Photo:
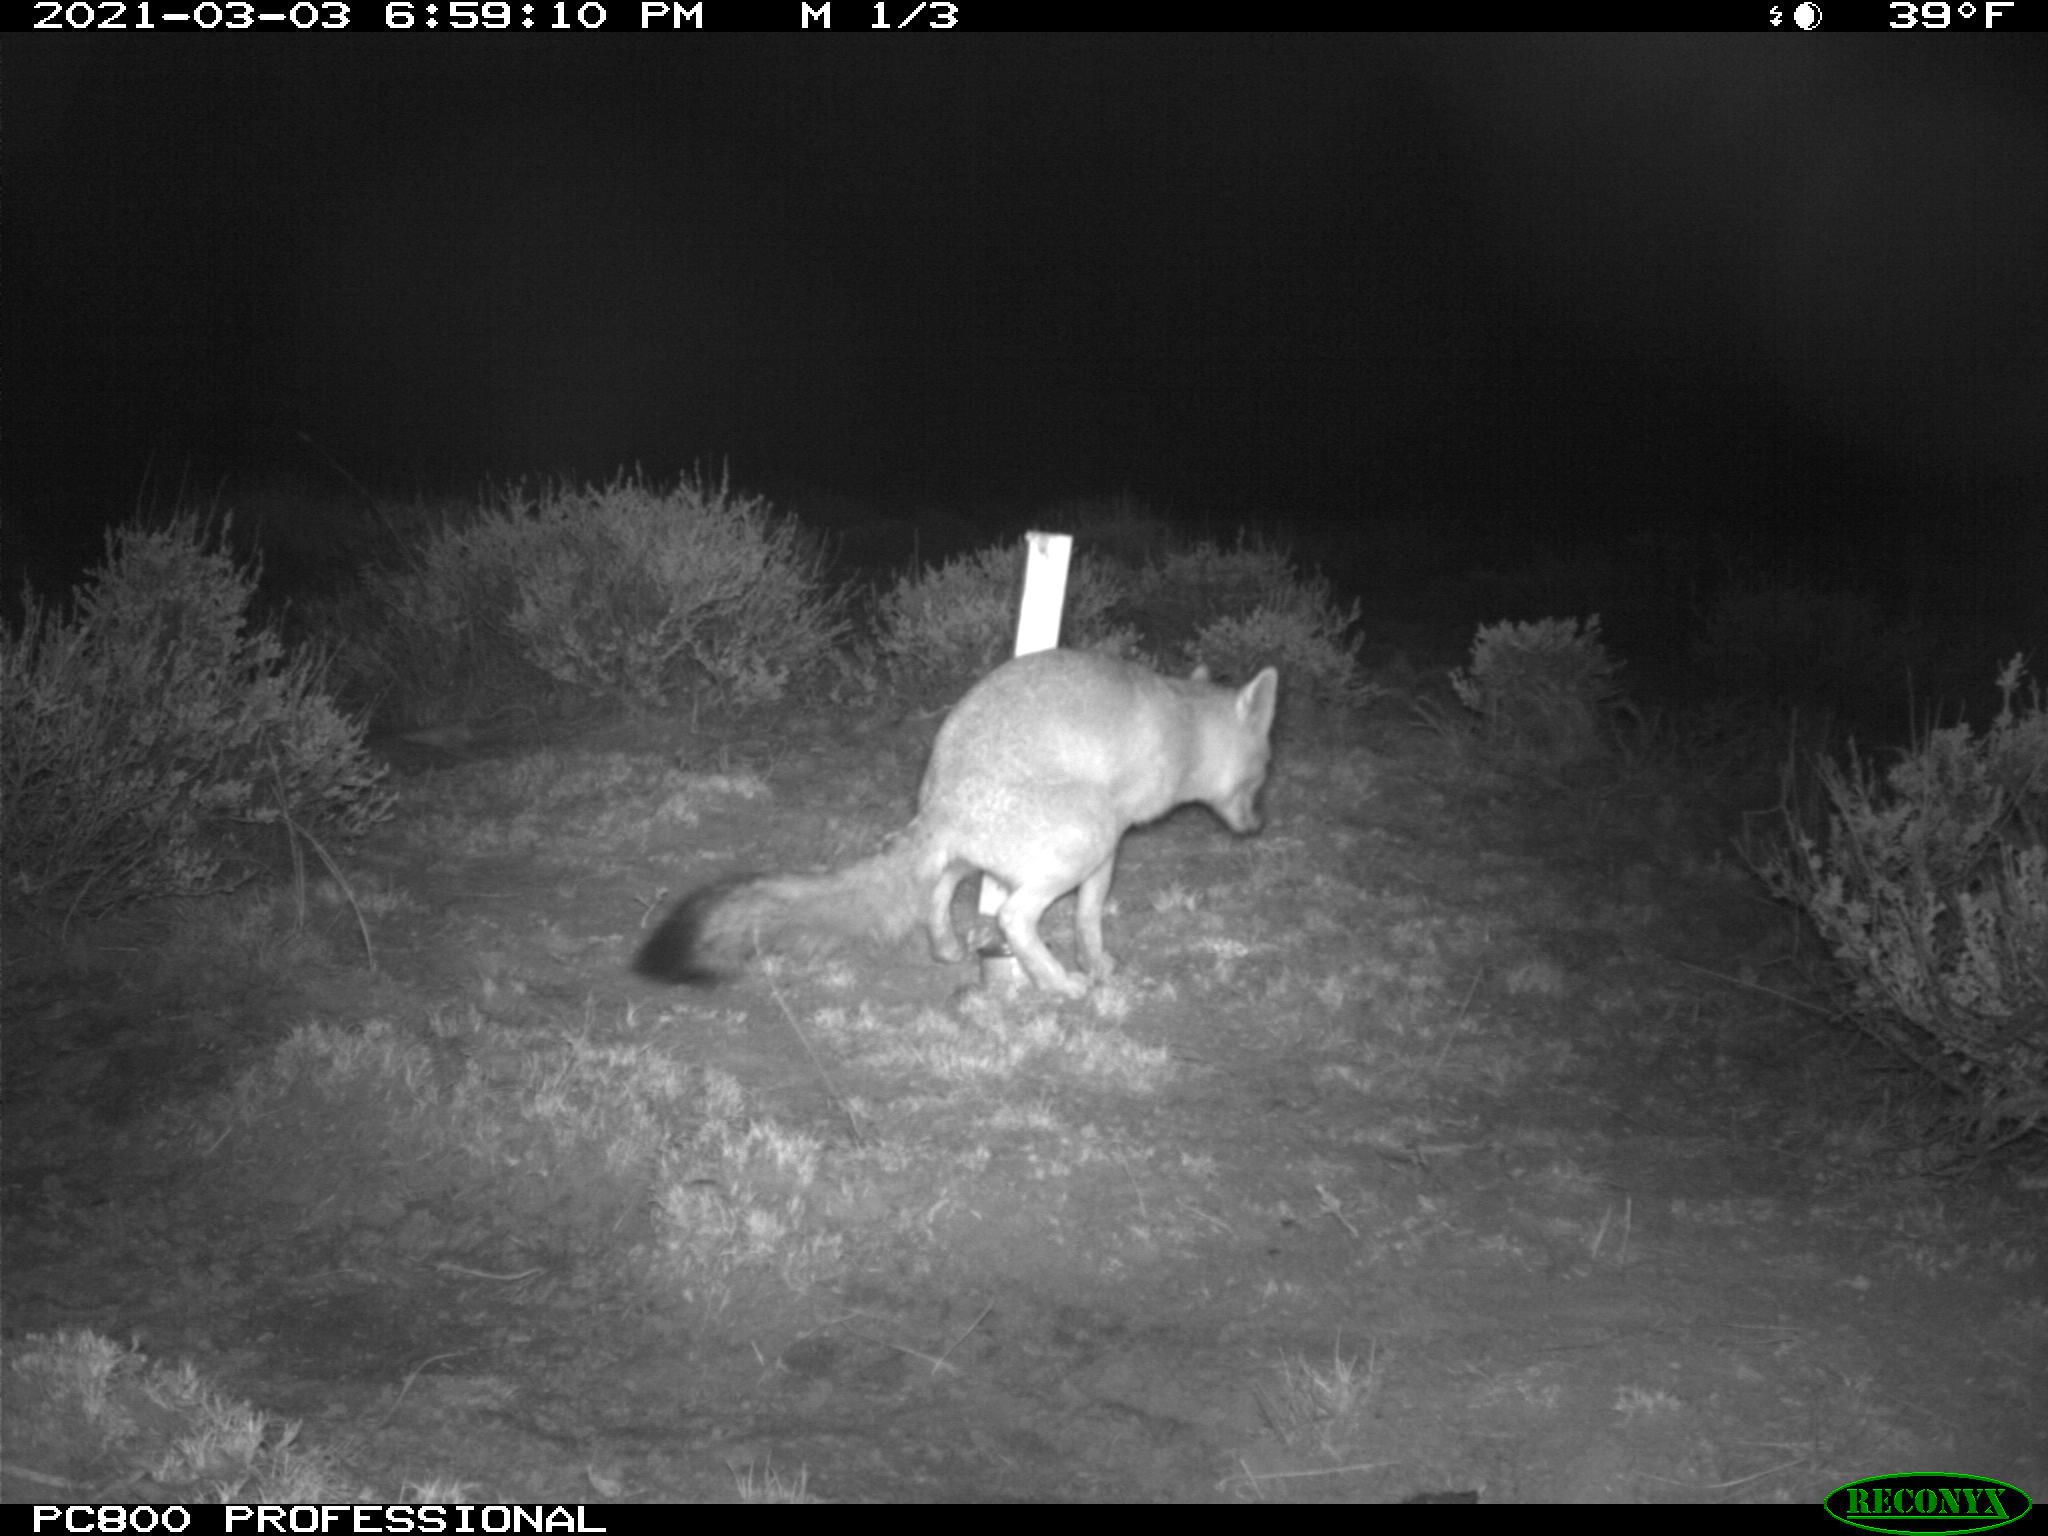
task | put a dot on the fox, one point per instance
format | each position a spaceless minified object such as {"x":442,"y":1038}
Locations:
{"x":1034,"y":778}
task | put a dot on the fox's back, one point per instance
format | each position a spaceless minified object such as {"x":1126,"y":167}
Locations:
{"x":1074,"y":721}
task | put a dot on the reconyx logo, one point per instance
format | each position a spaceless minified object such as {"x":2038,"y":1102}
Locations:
{"x":1928,"y":1501}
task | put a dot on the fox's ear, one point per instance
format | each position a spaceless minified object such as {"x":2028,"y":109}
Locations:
{"x":1255,"y":701}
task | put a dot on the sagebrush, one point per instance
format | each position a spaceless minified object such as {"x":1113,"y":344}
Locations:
{"x":1254,"y":608}
{"x":627,"y":592}
{"x":947,"y":623}
{"x":1930,"y":885}
{"x":1542,"y":690}
{"x":149,"y":728}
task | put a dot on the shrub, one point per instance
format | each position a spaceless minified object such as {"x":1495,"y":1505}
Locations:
{"x":1267,"y":614}
{"x":1177,"y":595}
{"x":1932,"y":890}
{"x":148,"y":727}
{"x":955,"y":621}
{"x":634,"y":594}
{"x":1541,"y":689}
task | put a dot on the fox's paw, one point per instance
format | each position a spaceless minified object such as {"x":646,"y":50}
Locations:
{"x":1066,"y":984}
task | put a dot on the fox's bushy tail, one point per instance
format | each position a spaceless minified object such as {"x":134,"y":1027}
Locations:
{"x":714,"y":931}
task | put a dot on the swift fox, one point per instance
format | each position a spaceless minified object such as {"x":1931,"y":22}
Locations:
{"x":1035,"y":777}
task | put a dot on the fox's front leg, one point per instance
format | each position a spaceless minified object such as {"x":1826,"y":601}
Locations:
{"x":1019,"y":920}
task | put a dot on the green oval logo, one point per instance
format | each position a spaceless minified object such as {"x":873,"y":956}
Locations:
{"x":1928,"y":1501}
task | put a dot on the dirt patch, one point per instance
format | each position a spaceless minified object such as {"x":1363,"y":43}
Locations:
{"x":1451,"y":1137}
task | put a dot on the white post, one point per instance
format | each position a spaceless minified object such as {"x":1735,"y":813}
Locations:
{"x":1045,"y":591}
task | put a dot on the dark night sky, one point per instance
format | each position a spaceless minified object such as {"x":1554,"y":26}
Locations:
{"x":1532,"y":290}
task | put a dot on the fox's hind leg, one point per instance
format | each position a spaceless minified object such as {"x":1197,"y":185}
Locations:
{"x":939,"y":914}
{"x":1088,"y":902}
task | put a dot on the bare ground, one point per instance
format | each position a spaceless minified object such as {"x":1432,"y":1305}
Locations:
{"x":1453,"y":1137}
